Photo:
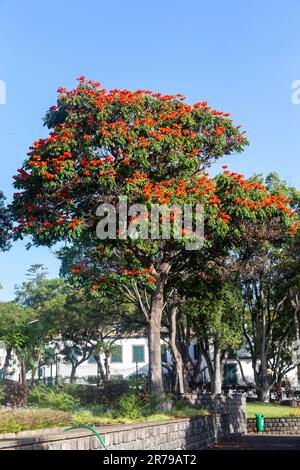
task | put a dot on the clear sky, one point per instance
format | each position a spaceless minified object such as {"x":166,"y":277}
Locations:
{"x":241,"y":57}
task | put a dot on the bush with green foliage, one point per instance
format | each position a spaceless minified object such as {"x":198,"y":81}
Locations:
{"x":107,"y":396}
{"x":86,"y":394}
{"x":52,"y":397}
{"x":92,"y":379}
{"x":153,"y":402}
{"x":113,"y":392}
{"x":14,"y":394}
{"x":131,"y":406}
{"x":179,"y":405}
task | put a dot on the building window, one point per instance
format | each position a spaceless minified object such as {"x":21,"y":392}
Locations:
{"x":138,"y":354}
{"x":117,"y":355}
{"x":230,"y":377}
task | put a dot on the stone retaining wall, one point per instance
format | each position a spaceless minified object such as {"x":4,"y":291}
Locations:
{"x":180,"y":434}
{"x":233,"y":405}
{"x":276,"y":426}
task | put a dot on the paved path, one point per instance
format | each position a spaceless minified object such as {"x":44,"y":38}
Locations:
{"x":254,"y":442}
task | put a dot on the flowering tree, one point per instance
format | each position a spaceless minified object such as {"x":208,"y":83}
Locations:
{"x":151,"y":148}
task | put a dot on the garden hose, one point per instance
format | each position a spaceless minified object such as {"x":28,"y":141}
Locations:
{"x":91,"y":429}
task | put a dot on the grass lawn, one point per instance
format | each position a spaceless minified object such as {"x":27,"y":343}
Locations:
{"x":40,"y":418}
{"x":271,"y":410}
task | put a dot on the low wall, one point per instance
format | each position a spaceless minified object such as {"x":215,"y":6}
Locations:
{"x":233,"y":405}
{"x":276,"y":426}
{"x":180,"y":434}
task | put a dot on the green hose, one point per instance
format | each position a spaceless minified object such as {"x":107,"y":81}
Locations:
{"x":91,"y":429}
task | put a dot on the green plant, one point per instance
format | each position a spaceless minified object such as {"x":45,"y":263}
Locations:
{"x":55,"y":397}
{"x":86,"y":394}
{"x":15,"y":394}
{"x":92,"y":379}
{"x":112,"y":392}
{"x":137,"y":381}
{"x":154,"y":402}
{"x":131,"y":406}
{"x":23,"y":419}
{"x":179,"y":405}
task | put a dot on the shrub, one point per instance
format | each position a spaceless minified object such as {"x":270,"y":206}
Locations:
{"x":112,"y":392}
{"x":92,"y":379}
{"x":53,"y":397}
{"x":139,"y":381}
{"x":15,"y":394}
{"x":23,"y":419}
{"x":131,"y":406}
{"x":154,"y":402}
{"x":179,"y":405}
{"x":86,"y":394}
{"x":107,"y":395}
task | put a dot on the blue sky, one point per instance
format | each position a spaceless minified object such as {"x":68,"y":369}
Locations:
{"x":241,"y":57}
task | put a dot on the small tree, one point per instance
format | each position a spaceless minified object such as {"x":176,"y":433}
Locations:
{"x":84,"y":325}
{"x":22,"y":333}
{"x":214,"y":312}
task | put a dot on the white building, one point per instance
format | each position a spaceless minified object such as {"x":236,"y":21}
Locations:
{"x":131,"y":358}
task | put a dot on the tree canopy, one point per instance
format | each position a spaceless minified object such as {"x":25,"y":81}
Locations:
{"x":152,"y":149}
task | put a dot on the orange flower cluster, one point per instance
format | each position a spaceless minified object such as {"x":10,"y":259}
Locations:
{"x":294,"y":228}
{"x":269,"y":200}
{"x":108,"y":280}
{"x":101,"y":98}
{"x":238,"y":178}
{"x":42,"y":226}
{"x":225,"y":217}
{"x":220,"y":130}
{"x":204,"y":105}
{"x":137,"y":176}
{"x":80,"y":268}
{"x":135,"y":272}
{"x":163,"y":192}
{"x":74,"y":223}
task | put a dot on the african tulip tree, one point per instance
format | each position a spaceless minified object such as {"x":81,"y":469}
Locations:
{"x":149,"y":147}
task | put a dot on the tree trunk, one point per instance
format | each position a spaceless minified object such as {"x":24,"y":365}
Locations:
{"x":73,"y":373}
{"x":33,"y":371}
{"x":6,"y":362}
{"x":107,"y":369}
{"x":217,"y":378}
{"x":155,"y":367}
{"x":22,"y":375}
{"x":183,"y":346}
{"x":179,"y":386}
{"x":263,"y":394}
{"x":264,"y":389}
{"x":154,"y":326}
{"x":205,"y":351}
{"x":100,"y":369}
